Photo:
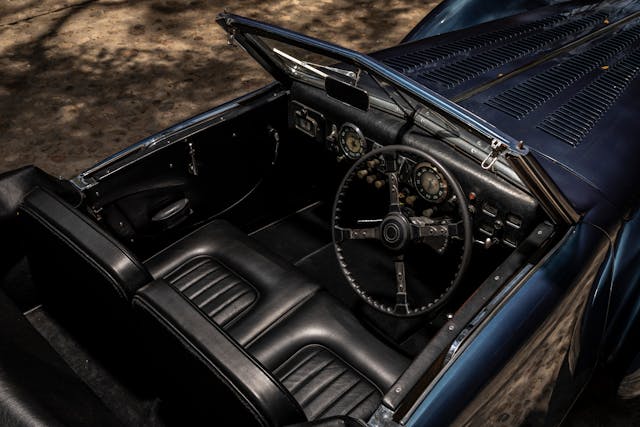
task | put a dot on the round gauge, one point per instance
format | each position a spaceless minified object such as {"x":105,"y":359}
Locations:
{"x":429,"y":183}
{"x":352,"y":141}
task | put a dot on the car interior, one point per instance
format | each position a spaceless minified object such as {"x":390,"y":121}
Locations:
{"x":296,"y":257}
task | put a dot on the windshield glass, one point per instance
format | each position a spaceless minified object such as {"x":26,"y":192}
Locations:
{"x":316,"y":69}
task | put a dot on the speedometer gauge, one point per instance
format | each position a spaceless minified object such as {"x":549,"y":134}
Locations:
{"x":352,"y":141}
{"x":429,"y":183}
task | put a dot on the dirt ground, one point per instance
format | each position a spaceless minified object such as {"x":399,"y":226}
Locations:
{"x":80,"y":80}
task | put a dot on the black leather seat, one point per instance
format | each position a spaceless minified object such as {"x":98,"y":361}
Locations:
{"x":82,"y":270}
{"x":316,"y":355}
{"x":36,"y":386}
{"x":232,"y":279}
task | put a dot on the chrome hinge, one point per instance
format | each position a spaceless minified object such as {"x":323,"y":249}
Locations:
{"x":497,"y":148}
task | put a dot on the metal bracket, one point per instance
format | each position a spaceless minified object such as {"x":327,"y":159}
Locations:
{"x":193,"y":164}
{"x":497,"y":148}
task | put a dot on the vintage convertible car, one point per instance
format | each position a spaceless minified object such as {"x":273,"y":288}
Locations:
{"x":443,"y":232}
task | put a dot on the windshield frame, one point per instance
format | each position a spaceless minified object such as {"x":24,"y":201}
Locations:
{"x":517,"y":155}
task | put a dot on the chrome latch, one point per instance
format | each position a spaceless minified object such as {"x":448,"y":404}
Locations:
{"x":497,"y":148}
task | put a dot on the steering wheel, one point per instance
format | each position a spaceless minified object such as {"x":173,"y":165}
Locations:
{"x":398,"y":231}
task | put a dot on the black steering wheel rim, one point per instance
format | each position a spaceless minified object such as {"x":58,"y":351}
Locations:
{"x":397,"y":231}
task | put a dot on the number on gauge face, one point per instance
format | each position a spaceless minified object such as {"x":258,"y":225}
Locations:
{"x":352,"y":142}
{"x":429,"y":183}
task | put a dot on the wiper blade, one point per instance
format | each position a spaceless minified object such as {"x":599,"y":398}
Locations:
{"x":310,"y":66}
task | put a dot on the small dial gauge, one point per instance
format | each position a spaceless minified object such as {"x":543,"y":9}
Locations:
{"x":429,"y":183}
{"x":352,"y":141}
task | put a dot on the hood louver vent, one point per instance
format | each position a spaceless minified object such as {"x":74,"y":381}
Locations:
{"x":468,"y":68}
{"x":574,"y":119}
{"x":529,"y":95}
{"x":414,"y":61}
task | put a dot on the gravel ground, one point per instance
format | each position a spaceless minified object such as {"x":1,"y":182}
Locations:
{"x":81,"y":80}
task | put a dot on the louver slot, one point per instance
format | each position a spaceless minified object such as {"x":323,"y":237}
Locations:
{"x":529,"y":95}
{"x":458,"y":72}
{"x":413,"y":61}
{"x":574,"y":119}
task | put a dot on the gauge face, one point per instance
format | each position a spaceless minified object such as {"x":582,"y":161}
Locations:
{"x":352,"y":141}
{"x":429,"y":183}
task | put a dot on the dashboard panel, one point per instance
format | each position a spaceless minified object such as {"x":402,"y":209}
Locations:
{"x":502,"y":213}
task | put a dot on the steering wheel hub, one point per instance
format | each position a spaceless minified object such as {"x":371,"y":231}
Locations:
{"x":395,"y":231}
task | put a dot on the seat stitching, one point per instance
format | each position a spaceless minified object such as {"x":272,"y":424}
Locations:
{"x":228,"y":303}
{"x":322,"y":387}
{"x":189,"y":271}
{"x":340,"y":397}
{"x":216,"y":294}
{"x":360,"y":402}
{"x":298,"y":365}
{"x":209,"y":284}
{"x":310,"y":376}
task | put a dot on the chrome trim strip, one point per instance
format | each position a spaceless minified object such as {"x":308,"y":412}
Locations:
{"x":84,"y":180}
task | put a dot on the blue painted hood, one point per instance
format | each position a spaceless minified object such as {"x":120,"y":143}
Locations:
{"x":565,"y":79}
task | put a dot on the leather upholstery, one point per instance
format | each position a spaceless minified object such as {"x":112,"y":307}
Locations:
{"x":63,"y":239}
{"x":324,"y":321}
{"x":307,"y":340}
{"x":278,"y":286}
{"x":217,"y":291}
{"x":327,"y":386}
{"x":229,"y":369}
{"x":36,"y":386}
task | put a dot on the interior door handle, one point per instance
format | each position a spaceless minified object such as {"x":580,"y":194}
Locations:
{"x":167,"y":215}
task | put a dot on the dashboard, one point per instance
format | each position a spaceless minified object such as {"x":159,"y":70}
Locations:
{"x":502,"y":213}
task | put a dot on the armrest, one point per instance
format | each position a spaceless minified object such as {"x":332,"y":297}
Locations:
{"x":216,"y":360}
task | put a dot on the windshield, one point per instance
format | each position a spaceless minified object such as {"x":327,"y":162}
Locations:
{"x":313,"y":68}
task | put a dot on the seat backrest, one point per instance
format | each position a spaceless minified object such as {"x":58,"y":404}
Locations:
{"x":76,"y":264}
{"x":36,"y":386}
{"x":204,"y":371}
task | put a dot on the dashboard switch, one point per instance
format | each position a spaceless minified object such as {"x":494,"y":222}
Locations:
{"x":379,"y":184}
{"x":362,"y":173}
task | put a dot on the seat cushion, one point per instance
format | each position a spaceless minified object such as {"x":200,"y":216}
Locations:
{"x":233,"y":279}
{"x":218,"y":291}
{"x":324,"y":321}
{"x":325,"y":385}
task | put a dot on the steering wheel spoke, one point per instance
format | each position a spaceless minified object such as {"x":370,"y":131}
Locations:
{"x":341,"y":233}
{"x":402,"y":305}
{"x":394,"y":192}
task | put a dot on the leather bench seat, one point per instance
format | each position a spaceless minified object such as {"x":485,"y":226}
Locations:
{"x":85,"y":273}
{"x":232,"y":279}
{"x":316,"y":354}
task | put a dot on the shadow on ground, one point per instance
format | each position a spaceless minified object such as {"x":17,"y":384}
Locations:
{"x":83,"y":79}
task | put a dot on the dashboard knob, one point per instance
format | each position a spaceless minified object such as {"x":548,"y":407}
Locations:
{"x":371,"y":179}
{"x":371,"y":164}
{"x":379,"y":184}
{"x":362,"y":173}
{"x":410,"y":200}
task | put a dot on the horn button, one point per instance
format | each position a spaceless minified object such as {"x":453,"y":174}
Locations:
{"x":395,"y":231}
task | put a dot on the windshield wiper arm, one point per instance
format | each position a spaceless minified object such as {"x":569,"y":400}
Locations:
{"x":314,"y":67}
